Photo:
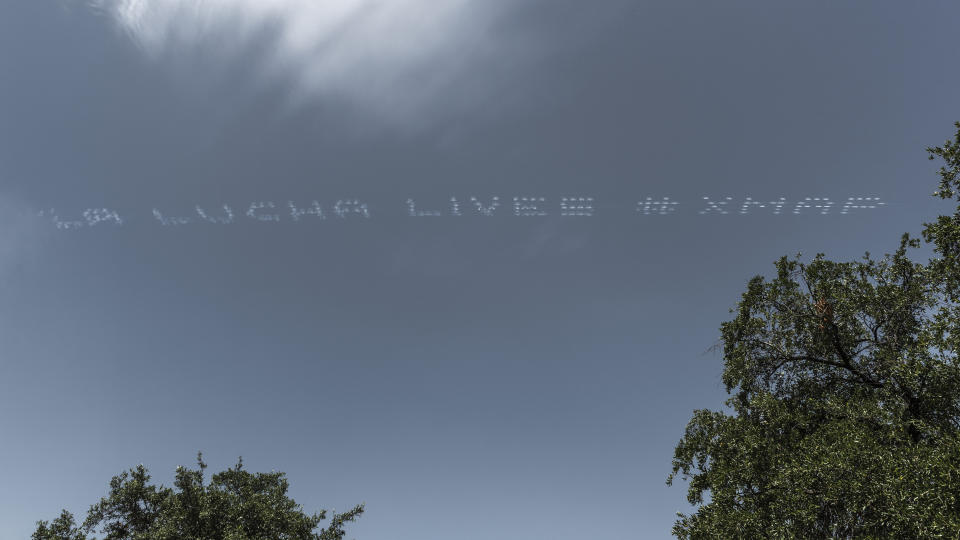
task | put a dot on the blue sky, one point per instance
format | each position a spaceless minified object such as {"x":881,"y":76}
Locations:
{"x":467,"y":377}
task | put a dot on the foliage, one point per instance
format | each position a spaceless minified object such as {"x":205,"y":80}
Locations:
{"x":844,"y":413}
{"x":234,"y":505}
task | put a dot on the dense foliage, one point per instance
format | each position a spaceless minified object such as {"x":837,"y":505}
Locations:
{"x":844,"y":413}
{"x":234,"y":505}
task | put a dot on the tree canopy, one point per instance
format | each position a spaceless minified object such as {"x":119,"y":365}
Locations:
{"x":844,"y":412}
{"x":234,"y":505}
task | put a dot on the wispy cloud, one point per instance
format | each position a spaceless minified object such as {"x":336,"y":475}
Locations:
{"x":390,"y":57}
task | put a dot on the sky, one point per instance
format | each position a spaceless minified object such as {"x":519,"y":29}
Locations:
{"x":522,"y":375}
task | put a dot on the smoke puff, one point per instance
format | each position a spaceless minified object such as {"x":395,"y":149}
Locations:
{"x":21,"y":234}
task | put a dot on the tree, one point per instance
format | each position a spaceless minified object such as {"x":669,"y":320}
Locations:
{"x":844,"y":412}
{"x":234,"y":505}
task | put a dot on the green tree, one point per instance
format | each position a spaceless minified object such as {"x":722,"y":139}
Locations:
{"x":843,"y":418}
{"x":234,"y":505}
